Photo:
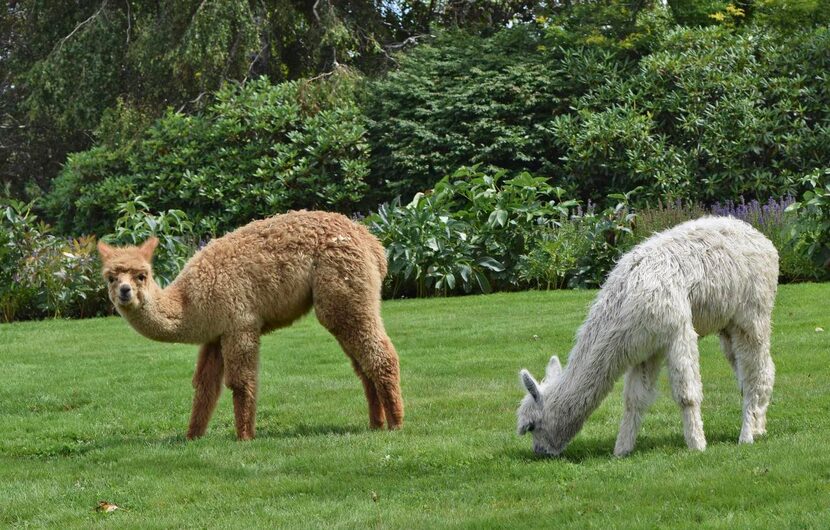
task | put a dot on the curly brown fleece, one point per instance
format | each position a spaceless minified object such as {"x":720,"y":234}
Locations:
{"x":260,"y":277}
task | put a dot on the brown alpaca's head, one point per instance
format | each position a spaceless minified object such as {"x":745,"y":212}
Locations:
{"x":128,"y":273}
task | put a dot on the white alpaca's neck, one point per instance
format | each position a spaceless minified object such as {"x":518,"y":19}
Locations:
{"x":588,"y":377}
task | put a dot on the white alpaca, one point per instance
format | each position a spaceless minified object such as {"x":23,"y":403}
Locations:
{"x":711,"y":275}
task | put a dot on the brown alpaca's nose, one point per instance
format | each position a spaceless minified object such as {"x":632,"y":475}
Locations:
{"x":124,"y":290}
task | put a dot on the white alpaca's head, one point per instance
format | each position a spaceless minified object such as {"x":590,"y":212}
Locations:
{"x":532,"y":415}
{"x":128,"y":273}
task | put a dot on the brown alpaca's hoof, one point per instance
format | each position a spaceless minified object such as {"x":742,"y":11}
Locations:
{"x":396,"y":426}
{"x":193,"y":434}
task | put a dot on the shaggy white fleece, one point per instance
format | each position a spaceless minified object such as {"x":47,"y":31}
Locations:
{"x":710,"y":275}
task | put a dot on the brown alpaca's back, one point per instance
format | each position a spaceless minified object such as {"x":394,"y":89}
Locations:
{"x":266,"y":270}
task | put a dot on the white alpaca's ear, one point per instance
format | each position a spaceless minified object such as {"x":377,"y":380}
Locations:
{"x":104,"y":250}
{"x":554,"y":368}
{"x":148,"y":247}
{"x":531,"y":385}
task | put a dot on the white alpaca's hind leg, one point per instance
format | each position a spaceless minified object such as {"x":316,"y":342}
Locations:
{"x":729,"y":352}
{"x":758,"y":370}
{"x":683,"y":363}
{"x":639,"y":393}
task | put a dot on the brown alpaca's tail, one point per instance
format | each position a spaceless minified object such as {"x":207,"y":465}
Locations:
{"x":380,"y":257}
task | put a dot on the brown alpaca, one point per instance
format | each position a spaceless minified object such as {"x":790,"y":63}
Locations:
{"x":253,"y":280}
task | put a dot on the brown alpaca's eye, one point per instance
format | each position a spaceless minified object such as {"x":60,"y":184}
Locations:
{"x":142,"y":277}
{"x":111,"y":279}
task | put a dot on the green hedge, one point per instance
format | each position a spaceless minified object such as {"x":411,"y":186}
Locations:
{"x":710,"y":115}
{"x":465,"y":100}
{"x":256,"y":150}
{"x":694,"y":113}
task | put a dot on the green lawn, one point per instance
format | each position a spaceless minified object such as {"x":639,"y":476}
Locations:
{"x":91,"y":411}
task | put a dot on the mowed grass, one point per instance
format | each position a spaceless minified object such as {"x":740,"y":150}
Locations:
{"x":91,"y":411}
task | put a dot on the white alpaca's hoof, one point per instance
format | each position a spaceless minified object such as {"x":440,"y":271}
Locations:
{"x":760,"y":427}
{"x":622,"y":452}
{"x":697,"y":444}
{"x":759,"y":431}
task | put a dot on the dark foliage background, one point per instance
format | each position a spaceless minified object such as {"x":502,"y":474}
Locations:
{"x":506,"y":144}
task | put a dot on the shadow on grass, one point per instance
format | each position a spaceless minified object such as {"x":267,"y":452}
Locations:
{"x":586,"y":449}
{"x":304,"y":430}
{"x":266,"y":432}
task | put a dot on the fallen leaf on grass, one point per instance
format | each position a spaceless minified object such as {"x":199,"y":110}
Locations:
{"x":105,"y":507}
{"x":374,"y":496}
{"x":819,"y":330}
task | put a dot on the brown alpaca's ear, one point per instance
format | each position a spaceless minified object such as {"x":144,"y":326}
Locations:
{"x":105,"y":251}
{"x":148,"y":247}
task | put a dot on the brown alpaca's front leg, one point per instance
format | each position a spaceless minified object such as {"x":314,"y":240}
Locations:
{"x":207,"y":381}
{"x":241,"y":354}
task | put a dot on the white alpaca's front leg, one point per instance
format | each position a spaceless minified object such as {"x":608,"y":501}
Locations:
{"x":693,"y":428}
{"x":638,"y":395}
{"x":687,"y":389}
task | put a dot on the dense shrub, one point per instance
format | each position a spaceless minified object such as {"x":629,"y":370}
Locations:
{"x":468,"y":234}
{"x":812,"y":229}
{"x":430,"y":251}
{"x":464,"y":100}
{"x":710,"y":114}
{"x":478,"y":231}
{"x":42,"y":275}
{"x":701,"y":114}
{"x":177,"y":242}
{"x":581,"y":250}
{"x":693,"y":113}
{"x":608,"y":234}
{"x":257,"y":150}
{"x":557,"y":254}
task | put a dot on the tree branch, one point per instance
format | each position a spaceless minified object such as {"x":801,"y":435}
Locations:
{"x":314,"y":10}
{"x":406,"y":42}
{"x":79,"y":26}
{"x":196,"y":100}
{"x":251,"y":66}
{"x":258,"y":25}
{"x":129,"y":22}
{"x":337,"y":67}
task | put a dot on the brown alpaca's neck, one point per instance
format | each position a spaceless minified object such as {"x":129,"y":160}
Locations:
{"x":164,"y":315}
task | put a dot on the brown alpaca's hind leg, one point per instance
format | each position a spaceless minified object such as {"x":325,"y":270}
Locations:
{"x":387,"y":376}
{"x":241,"y":353}
{"x":372,"y":351}
{"x":376,"y":413}
{"x":207,"y":381}
{"x":346,"y":291}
